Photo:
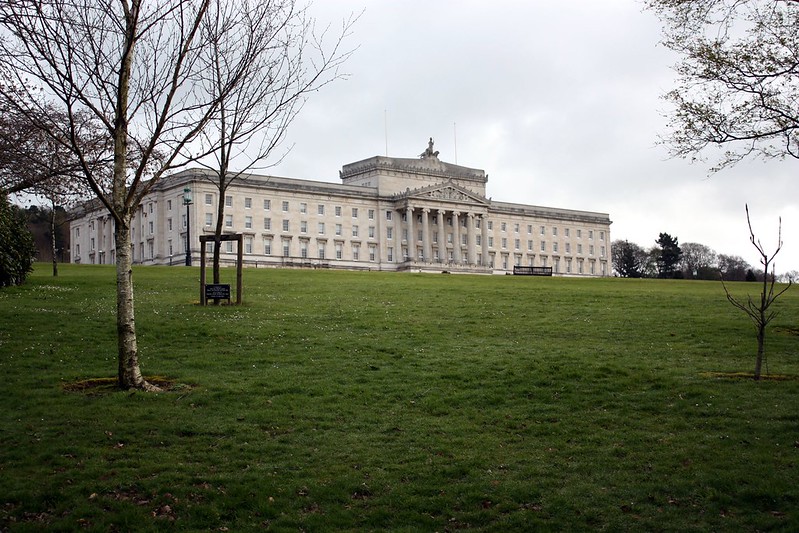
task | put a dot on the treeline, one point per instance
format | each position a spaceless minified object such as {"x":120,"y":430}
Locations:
{"x":668,"y":259}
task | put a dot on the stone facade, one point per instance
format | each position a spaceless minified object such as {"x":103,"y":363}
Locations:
{"x":397,"y":214}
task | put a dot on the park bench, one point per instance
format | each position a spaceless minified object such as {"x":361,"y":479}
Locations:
{"x":519,"y":270}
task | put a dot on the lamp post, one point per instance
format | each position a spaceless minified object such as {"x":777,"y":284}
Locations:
{"x":187,"y":203}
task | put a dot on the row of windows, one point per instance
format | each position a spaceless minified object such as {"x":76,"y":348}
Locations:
{"x":303,"y":206}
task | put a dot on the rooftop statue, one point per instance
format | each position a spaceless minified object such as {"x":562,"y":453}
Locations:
{"x":429,"y":152}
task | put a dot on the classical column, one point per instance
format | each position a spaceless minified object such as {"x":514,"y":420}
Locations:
{"x":427,"y":249}
{"x":442,"y":237}
{"x":470,"y":240}
{"x":484,"y":243}
{"x":456,"y":238}
{"x":411,"y":236}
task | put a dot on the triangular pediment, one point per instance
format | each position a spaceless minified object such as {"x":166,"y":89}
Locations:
{"x":447,"y":192}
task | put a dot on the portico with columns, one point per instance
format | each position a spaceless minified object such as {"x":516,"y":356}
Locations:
{"x":440,"y":226}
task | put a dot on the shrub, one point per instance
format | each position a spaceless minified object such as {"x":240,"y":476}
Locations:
{"x":17,"y":249}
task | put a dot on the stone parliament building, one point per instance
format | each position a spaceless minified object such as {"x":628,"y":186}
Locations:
{"x":395,"y":214}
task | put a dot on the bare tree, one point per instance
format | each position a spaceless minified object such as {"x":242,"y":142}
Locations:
{"x":737,"y":76}
{"x":136,"y":68}
{"x":275,"y":50}
{"x":698,"y":261}
{"x":759,"y":311}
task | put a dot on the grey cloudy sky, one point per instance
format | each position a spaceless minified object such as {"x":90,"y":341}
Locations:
{"x":559,"y":102}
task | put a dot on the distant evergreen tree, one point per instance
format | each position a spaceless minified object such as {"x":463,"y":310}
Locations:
{"x":668,"y":256}
{"x":17,"y":250}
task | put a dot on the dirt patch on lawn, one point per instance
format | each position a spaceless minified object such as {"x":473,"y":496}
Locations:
{"x":97,"y":386}
{"x":750,"y":376}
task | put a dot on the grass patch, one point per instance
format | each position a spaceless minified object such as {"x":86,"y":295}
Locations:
{"x":380,"y":401}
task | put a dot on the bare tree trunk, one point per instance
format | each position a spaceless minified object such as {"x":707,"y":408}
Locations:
{"x":129,"y":373}
{"x":220,"y":216}
{"x":52,"y":239}
{"x":761,"y":350}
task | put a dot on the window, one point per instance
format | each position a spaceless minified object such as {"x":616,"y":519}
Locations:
{"x":267,"y":204}
{"x":169,"y":247}
{"x":554,"y":231}
{"x":267,"y":223}
{"x":601,"y":251}
{"x":516,"y":228}
{"x":228,"y":221}
{"x":354,"y":231}
{"x":229,"y":247}
{"x":390,"y":233}
{"x":490,"y":225}
{"x":338,"y":212}
{"x":285,"y":206}
{"x":248,"y":204}
{"x":601,"y":235}
{"x":354,"y":212}
{"x":248,"y":225}
{"x":543,"y":246}
{"x":304,"y":249}
{"x":371,"y":232}
{"x":435,"y":236}
{"x":371,"y":214}
{"x":286,"y":247}
{"x":303,"y":226}
{"x":372,"y":252}
{"x":388,"y":215}
{"x":580,"y":250}
{"x":543,"y":230}
{"x":502,"y":227}
{"x":169,"y":205}
{"x":490,"y":241}
{"x":591,"y":234}
{"x":183,"y":220}
{"x":566,"y":232}
{"x":285,"y":224}
{"x":529,"y":228}
{"x":169,"y":224}
{"x":209,"y":199}
{"x":568,"y":248}
{"x":504,"y":242}
{"x":321,"y":250}
{"x":463,"y":240}
{"x":247,"y":245}
{"x":338,"y":229}
{"x":320,"y":209}
{"x":91,"y":246}
{"x":339,"y":250}
{"x":228,"y":201}
{"x":356,"y":252}
{"x":554,"y":247}
{"x":321,"y":228}
{"x":478,"y":240}
{"x":303,"y":208}
{"x":267,"y":246}
{"x":390,"y":254}
{"x":517,"y":244}
{"x":579,"y":234}
{"x":419,"y":235}
{"x":590,"y":249}
{"x":530,"y":245}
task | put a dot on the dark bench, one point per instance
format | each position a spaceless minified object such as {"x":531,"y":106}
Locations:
{"x":519,"y":270}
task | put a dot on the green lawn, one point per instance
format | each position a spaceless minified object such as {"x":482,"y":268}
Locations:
{"x":379,"y":401}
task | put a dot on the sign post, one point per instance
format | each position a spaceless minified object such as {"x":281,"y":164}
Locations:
{"x":220,"y":291}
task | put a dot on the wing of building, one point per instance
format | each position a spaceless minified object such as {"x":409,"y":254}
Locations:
{"x":397,"y":214}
